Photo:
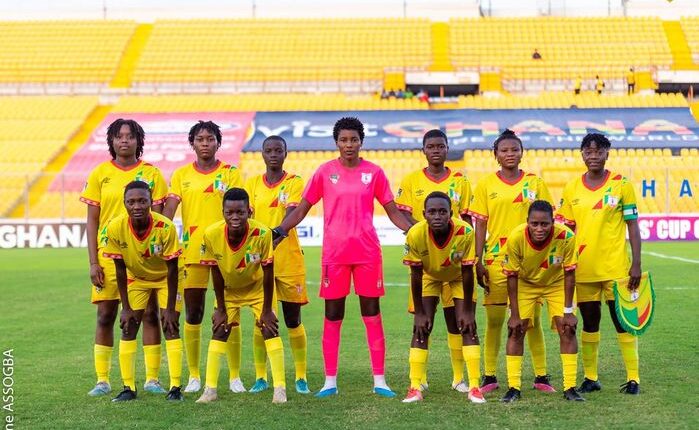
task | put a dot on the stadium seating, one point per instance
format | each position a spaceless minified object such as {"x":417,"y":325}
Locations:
{"x":263,"y":102}
{"x":62,"y":51}
{"x":690,"y":27}
{"x":561,"y":100}
{"x":33,"y":130}
{"x":570,"y":47}
{"x":262,"y":50}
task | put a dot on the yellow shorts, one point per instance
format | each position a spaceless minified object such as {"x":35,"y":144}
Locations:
{"x":497,"y":283}
{"x":529,"y":296}
{"x":446,"y":291}
{"x":593,"y":291}
{"x":291,"y":289}
{"x":196,"y":276}
{"x":109,"y":290}
{"x":140,"y":292}
{"x":233,"y":310}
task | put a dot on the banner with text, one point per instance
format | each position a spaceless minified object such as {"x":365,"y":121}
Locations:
{"x":166,"y":143}
{"x":39,"y":234}
{"x":476,"y":129}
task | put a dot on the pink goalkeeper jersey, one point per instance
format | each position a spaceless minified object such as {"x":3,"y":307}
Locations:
{"x":348,"y":197}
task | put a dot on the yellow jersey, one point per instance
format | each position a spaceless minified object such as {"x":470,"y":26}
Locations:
{"x":440,"y":263}
{"x":599,"y":216}
{"x":241,"y":267}
{"x":504,"y":205}
{"x":105,"y":188}
{"x":269,"y":203}
{"x":542,"y":265}
{"x":145,"y":255}
{"x":418,"y":185}
{"x":201,"y":196}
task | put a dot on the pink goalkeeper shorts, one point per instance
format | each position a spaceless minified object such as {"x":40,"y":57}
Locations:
{"x":367,"y":279}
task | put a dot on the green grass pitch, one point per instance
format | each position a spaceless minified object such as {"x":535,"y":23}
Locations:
{"x":46,"y":319}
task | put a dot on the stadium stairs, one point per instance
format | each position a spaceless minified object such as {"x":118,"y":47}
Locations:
{"x":132,"y":53}
{"x":80,"y":138}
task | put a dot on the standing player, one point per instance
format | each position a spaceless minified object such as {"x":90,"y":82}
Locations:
{"x":411,"y":194}
{"x":540,"y":265}
{"x":500,"y":203}
{"x":199,"y":187}
{"x":239,"y":251}
{"x":146,"y":244}
{"x":273,"y":195}
{"x":440,"y":250}
{"x":348,"y":186}
{"x":104,"y":196}
{"x":601,"y":207}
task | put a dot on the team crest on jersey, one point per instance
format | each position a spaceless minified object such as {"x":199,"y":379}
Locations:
{"x":455,"y":256}
{"x":366,"y":178}
{"x":139,"y":177}
{"x":609,"y":199}
{"x":453,"y":194}
{"x":334,"y":178}
{"x":283,"y":195}
{"x":406,"y":249}
{"x":400,"y":191}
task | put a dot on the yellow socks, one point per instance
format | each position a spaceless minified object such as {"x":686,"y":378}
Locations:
{"x":418,"y":364}
{"x":192,"y":345}
{"x":535,"y":341}
{"x":514,"y":371}
{"x":213,"y":362}
{"x":495,"y":318}
{"x":152,"y":356}
{"x":127,"y":362}
{"x":590,"y":351}
{"x":173,"y":349}
{"x":259,"y":354}
{"x":275,"y":352}
{"x":234,"y":353}
{"x":628,"y":344}
{"x":455,"y":342}
{"x":103,"y":362}
{"x":570,"y":370}
{"x":297,"y":340}
{"x":472,"y":357}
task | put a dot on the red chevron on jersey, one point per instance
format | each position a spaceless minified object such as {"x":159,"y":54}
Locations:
{"x":544,"y":264}
{"x":159,"y":224}
{"x":446,"y":263}
{"x":489,"y":262}
{"x":518,"y":199}
{"x":275,"y":203}
{"x":209,"y":189}
{"x":580,"y":249}
{"x":460,"y":232}
{"x":192,"y":229}
{"x":242,"y":264}
{"x":599,"y":205}
{"x":255,"y":232}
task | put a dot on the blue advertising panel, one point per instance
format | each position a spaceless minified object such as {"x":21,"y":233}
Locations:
{"x":476,"y":129}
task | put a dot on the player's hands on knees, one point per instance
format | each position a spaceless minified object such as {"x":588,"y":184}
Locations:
{"x":569,"y":322}
{"x":482,"y":277}
{"x":170,"y":321}
{"x":466,"y":323}
{"x":128,"y":317}
{"x":422,"y":327}
{"x":634,"y":277}
{"x":268,"y":321}
{"x":97,"y":275}
{"x":219,"y":320}
{"x":515,"y":326}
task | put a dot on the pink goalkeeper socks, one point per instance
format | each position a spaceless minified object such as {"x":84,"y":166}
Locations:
{"x":377,"y":343}
{"x":331,"y":345}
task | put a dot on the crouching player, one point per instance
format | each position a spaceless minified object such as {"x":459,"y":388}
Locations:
{"x":540,"y":264}
{"x":145,"y":243}
{"x":239,"y":250}
{"x":440,"y":250}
